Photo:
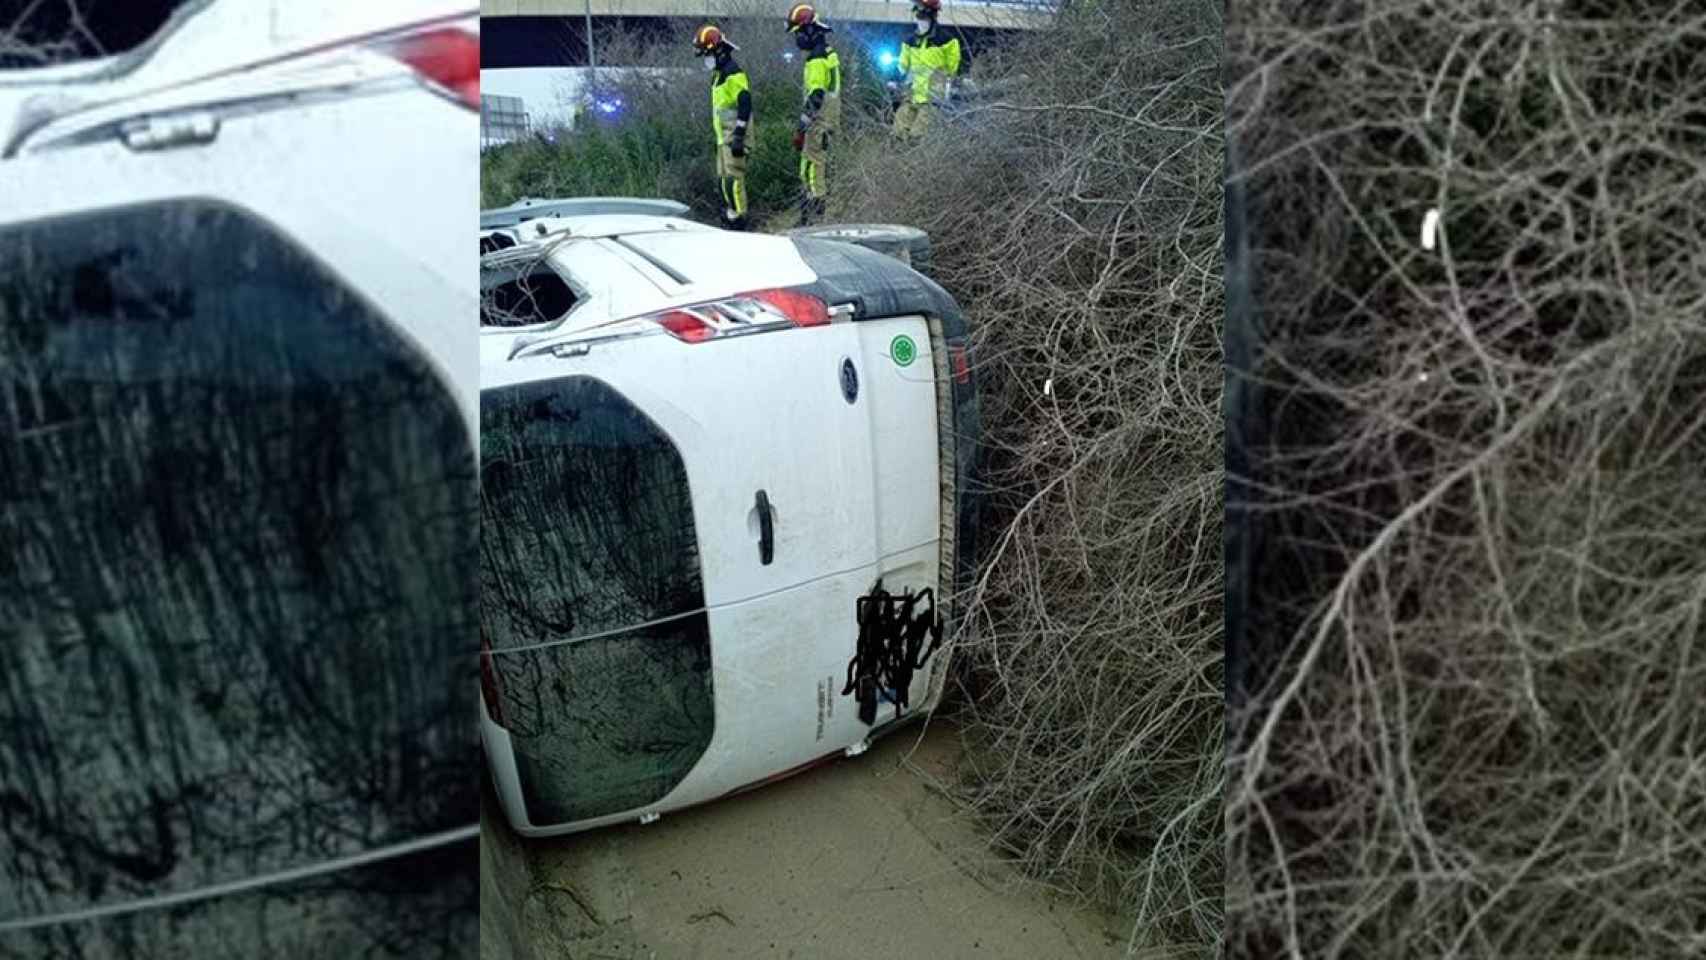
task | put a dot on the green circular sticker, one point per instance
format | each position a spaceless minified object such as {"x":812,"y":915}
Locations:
{"x":903,"y":350}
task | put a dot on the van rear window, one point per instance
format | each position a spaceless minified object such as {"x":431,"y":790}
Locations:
{"x":592,"y":597}
{"x":237,"y":514}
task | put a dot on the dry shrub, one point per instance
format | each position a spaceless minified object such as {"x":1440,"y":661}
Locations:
{"x":1078,"y":221}
{"x":1476,"y":726}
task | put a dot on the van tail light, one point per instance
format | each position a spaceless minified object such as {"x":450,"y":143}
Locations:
{"x":489,"y":682}
{"x":760,"y":311}
{"x":803,"y":309}
{"x":755,"y":312}
{"x":688,"y":326}
{"x":446,"y":59}
{"x":442,"y":54}
{"x":962,"y":370}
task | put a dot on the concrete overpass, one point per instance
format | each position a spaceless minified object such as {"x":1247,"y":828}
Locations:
{"x":552,"y":33}
{"x":980,"y":14}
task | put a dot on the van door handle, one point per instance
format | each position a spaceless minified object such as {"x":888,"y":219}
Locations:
{"x":766,"y":529}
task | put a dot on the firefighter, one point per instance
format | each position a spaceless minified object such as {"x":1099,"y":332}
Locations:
{"x":929,"y":60}
{"x":731,"y":119}
{"x":820,"y":117}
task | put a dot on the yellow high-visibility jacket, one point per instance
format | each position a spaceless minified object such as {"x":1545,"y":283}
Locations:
{"x":725,"y":102}
{"x":823,"y":75}
{"x":931,"y":61}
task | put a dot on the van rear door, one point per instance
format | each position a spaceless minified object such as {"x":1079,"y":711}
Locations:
{"x":674,"y":539}
{"x":906,"y":457}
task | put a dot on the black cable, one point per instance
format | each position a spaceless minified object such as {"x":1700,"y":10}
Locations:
{"x":891,"y":648}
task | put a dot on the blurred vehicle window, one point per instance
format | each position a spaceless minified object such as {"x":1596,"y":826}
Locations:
{"x":53,"y":32}
{"x":523,"y":295}
{"x":589,"y":545}
{"x":238,"y":509}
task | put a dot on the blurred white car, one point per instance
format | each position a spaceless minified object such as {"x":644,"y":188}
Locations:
{"x":705,"y":457}
{"x":239,"y":488}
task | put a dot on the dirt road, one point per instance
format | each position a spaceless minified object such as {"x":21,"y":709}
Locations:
{"x":861,"y":858}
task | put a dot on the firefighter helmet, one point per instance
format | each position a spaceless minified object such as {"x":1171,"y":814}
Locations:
{"x":707,"y":39}
{"x":926,"y":8}
{"x":800,"y":16}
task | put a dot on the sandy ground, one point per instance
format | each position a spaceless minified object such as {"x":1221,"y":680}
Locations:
{"x":860,"y":858}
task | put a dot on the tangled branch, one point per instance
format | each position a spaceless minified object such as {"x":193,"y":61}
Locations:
{"x":1476,"y":728}
{"x":1078,"y":220}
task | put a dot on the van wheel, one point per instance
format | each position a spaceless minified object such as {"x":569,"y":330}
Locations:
{"x":909,"y":245}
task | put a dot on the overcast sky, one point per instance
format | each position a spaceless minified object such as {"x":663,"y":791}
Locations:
{"x":547,"y":90}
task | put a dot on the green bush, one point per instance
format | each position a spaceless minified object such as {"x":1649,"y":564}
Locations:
{"x":661,"y":144}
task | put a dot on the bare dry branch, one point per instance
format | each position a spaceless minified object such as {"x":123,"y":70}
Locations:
{"x":1482,"y":735}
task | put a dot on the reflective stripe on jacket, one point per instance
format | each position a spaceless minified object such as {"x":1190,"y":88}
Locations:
{"x":931,"y":61}
{"x":725,"y":95}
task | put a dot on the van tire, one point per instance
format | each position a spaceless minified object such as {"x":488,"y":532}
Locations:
{"x":909,"y":245}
